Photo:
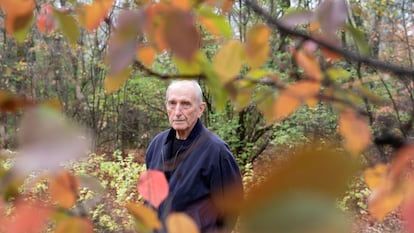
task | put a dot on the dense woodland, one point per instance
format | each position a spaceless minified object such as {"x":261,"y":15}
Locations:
{"x":281,"y":78}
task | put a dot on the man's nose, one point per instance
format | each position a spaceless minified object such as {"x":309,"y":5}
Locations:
{"x":178,"y":108}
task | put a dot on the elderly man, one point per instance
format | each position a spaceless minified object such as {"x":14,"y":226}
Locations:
{"x":198,"y":165}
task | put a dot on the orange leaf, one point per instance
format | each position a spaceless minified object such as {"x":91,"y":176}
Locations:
{"x":375,"y":176}
{"x":114,"y":82}
{"x":144,"y":215}
{"x":156,"y":24}
{"x":19,"y":14}
{"x":228,"y":61}
{"x":355,"y":131}
{"x":153,"y":187}
{"x":180,"y":222}
{"x":257,"y":45}
{"x":74,"y":225}
{"x":309,"y":64}
{"x":386,"y":199}
{"x":293,"y":96}
{"x":209,"y":24}
{"x":146,"y":54}
{"x":91,"y":15}
{"x":390,"y":184}
{"x":63,"y":189}
{"x":182,"y":4}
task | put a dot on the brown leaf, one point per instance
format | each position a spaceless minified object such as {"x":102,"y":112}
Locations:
{"x":144,"y":215}
{"x":10,"y":102}
{"x":181,"y":222}
{"x":355,"y":130}
{"x":74,"y":225}
{"x":181,"y":34}
{"x":63,"y":189}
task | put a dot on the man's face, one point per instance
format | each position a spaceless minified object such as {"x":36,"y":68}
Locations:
{"x":183,"y":109}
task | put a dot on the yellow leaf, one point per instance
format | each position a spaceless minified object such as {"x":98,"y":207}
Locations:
{"x":355,"y":131}
{"x":293,"y":96}
{"x":144,"y":215}
{"x":146,"y":54}
{"x":375,"y":176}
{"x":113,"y":83}
{"x":91,"y":15}
{"x":74,"y":225}
{"x":309,"y":64}
{"x":266,"y":99}
{"x":257,"y":45}
{"x":63,"y":189}
{"x":228,"y":61}
{"x":182,"y":4}
{"x":180,"y":222}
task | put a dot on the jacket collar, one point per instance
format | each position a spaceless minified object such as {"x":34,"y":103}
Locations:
{"x":198,"y":128}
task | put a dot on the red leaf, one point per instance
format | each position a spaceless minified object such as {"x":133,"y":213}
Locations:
{"x":28,"y":217}
{"x":153,"y":187}
{"x":45,"y":20}
{"x":408,"y":214}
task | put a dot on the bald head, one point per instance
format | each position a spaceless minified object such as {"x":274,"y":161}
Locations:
{"x":186,"y":85}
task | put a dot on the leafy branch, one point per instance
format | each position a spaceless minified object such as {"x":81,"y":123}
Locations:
{"x":375,"y":63}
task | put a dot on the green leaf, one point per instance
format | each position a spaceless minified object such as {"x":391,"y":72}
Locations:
{"x":192,"y":67}
{"x":338,"y":74}
{"x":68,"y":25}
{"x":21,"y":34}
{"x":360,"y":40}
{"x":214,"y":83}
{"x":214,"y":23}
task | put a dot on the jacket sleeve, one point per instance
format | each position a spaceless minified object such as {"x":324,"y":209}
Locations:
{"x":227,"y":187}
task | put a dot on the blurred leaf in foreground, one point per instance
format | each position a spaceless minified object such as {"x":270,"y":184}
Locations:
{"x":299,"y":195}
{"x":47,"y":139}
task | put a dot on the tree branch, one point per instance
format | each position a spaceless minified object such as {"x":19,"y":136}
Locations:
{"x":381,"y":65}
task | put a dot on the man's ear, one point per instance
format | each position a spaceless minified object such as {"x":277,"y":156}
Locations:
{"x":202,"y":107}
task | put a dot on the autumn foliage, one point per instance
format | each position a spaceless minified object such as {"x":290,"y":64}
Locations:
{"x":297,"y":196}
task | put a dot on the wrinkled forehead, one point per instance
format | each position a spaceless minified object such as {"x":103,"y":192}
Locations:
{"x":182,"y":91}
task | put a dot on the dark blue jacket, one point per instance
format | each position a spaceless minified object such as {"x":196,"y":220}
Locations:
{"x":204,"y":169}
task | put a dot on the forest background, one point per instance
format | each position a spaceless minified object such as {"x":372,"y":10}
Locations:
{"x":326,"y":82}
